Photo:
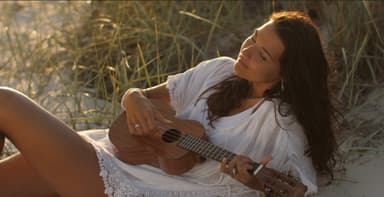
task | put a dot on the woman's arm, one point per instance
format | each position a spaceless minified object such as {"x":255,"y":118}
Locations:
{"x":156,"y":92}
{"x":141,"y":114}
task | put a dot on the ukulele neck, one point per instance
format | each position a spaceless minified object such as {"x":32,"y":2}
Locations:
{"x":206,"y":149}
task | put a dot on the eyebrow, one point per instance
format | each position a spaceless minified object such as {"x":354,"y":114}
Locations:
{"x":266,"y":51}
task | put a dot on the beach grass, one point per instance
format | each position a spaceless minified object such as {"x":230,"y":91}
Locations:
{"x":76,"y":58}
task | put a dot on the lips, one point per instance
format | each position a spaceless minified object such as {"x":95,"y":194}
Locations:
{"x":241,"y":59}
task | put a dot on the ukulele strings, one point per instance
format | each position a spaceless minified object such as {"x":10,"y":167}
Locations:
{"x":172,"y":136}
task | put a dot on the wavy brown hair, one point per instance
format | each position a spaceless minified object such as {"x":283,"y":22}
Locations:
{"x":304,"y":70}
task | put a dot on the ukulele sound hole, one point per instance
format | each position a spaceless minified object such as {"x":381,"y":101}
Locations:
{"x":171,"y":135}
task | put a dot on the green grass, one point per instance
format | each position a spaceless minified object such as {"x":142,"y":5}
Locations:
{"x":76,"y":59}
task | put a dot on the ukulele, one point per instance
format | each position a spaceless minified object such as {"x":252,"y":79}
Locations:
{"x":177,"y":146}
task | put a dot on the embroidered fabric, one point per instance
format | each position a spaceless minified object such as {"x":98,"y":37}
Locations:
{"x":121,"y":179}
{"x":254,"y":135}
{"x":117,"y":184}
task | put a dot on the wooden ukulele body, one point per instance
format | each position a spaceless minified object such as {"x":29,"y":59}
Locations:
{"x":176,"y":147}
{"x":156,"y":149}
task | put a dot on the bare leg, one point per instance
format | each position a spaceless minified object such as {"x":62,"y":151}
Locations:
{"x":61,"y":157}
{"x":19,"y":178}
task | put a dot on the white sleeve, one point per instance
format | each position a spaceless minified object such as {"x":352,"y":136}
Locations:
{"x":185,"y":87}
{"x":284,"y":140}
{"x":300,"y":165}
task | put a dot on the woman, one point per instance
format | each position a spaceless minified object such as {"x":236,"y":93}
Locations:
{"x":270,"y":105}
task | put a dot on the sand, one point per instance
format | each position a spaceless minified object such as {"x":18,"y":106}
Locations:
{"x":363,"y":177}
{"x":363,"y":151}
{"x":362,"y":145}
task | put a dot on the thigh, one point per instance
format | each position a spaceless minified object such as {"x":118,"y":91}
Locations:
{"x":61,"y":156}
{"x":17,"y":173}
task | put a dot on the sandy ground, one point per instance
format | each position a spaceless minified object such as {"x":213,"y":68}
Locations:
{"x":363,"y":151}
{"x":362,"y":146}
{"x":362,"y":178}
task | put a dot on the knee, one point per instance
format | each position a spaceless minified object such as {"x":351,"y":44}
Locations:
{"x":12,"y":104}
{"x":7,"y":94}
{"x":8,"y":97}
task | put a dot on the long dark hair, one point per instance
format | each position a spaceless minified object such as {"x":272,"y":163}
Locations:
{"x":304,"y":70}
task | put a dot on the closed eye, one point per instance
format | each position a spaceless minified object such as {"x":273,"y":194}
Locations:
{"x":254,"y":41}
{"x":263,"y":57}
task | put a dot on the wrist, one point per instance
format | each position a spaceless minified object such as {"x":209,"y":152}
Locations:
{"x":132,"y":93}
{"x":135,"y":92}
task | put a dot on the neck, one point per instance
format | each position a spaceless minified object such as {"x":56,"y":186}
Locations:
{"x":257,"y":89}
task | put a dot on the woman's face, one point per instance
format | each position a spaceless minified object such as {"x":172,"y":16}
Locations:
{"x":258,"y":59}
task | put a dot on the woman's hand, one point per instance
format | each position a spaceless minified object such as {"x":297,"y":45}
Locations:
{"x":242,"y":164}
{"x":141,"y":114}
{"x":266,"y":176}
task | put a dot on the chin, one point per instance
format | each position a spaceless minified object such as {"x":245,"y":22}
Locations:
{"x":236,"y":68}
{"x":237,"y":72}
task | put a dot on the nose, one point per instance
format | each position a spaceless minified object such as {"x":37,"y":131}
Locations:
{"x":249,"y":45}
{"x":248,"y":49}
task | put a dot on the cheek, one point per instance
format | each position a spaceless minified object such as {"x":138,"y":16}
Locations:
{"x":271,"y":76}
{"x":262,"y":73}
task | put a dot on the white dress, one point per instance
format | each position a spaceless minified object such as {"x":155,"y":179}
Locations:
{"x":255,"y":135}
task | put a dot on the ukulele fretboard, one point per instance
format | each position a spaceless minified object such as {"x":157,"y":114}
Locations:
{"x":207,"y":149}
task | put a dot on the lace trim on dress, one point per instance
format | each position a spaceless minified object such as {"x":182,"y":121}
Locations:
{"x":117,"y":185}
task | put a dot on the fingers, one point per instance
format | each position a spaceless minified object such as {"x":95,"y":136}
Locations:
{"x":266,"y":160}
{"x":141,"y":126}
{"x":141,"y":115}
{"x":277,"y":184}
{"x":231,"y":165}
{"x":142,"y":123}
{"x":135,"y":124}
{"x":240,"y":163}
{"x":224,"y":166}
{"x":149,"y":119}
{"x":266,"y":179}
{"x":130,"y":124}
{"x":160,"y":117}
